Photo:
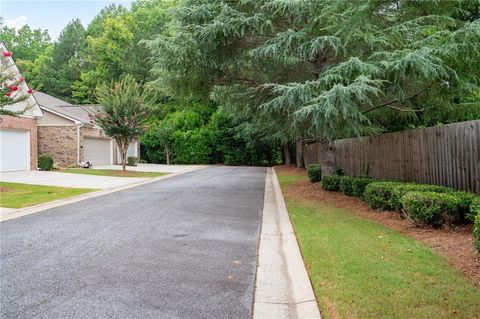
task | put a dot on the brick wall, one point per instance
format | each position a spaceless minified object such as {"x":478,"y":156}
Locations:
{"x":22,"y":123}
{"x":59,"y":142}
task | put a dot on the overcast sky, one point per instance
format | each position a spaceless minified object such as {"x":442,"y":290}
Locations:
{"x":52,"y":15}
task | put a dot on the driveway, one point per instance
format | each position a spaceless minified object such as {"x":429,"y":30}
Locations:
{"x":67,"y":180}
{"x":183,"y":247}
{"x":154,"y":168}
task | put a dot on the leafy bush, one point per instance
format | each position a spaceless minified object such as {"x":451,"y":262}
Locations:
{"x":360,"y":183}
{"x":346,"y":186}
{"x":470,"y":205}
{"x":331,"y":182}
{"x":314,"y":172}
{"x":45,"y":162}
{"x":432,"y":208}
{"x":377,"y":194}
{"x":132,"y":161}
{"x":476,"y":231}
{"x":395,"y":201}
{"x":474,"y":211}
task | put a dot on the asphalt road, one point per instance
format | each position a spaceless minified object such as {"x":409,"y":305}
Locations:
{"x":184,"y":247}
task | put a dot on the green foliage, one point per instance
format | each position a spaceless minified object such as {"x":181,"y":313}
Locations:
{"x":314,"y":172}
{"x":395,"y":201}
{"x":378,"y":194}
{"x":132,"y":161}
{"x":331,"y":182}
{"x":476,"y":232}
{"x":126,"y":109}
{"x":346,"y":185}
{"x":474,"y":209}
{"x":360,"y":183}
{"x":45,"y":162}
{"x":432,"y":208}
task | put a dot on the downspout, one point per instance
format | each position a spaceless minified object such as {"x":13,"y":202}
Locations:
{"x":78,"y":143}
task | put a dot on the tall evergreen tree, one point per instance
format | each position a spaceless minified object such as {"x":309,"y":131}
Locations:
{"x":333,"y":68}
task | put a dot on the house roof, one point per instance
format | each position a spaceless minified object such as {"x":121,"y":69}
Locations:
{"x":30,"y":105}
{"x":77,"y":113}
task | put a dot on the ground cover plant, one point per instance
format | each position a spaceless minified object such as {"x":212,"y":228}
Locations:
{"x":15,"y":195}
{"x":360,"y":269}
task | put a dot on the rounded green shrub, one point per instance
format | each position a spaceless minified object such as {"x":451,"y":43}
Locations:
{"x":314,"y":172}
{"x":45,"y":162}
{"x":395,"y":201}
{"x":432,"y":208}
{"x":470,"y":205}
{"x":346,"y":186}
{"x":476,"y":231}
{"x":360,"y":183}
{"x":132,"y":161}
{"x":331,"y":182}
{"x":377,"y":194}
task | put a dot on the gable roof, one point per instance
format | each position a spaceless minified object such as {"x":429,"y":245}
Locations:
{"x":76,"y":113}
{"x":30,"y":105}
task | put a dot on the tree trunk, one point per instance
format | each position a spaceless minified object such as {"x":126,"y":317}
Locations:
{"x":327,"y":156}
{"x":287,"y":154}
{"x":167,"y":154}
{"x":123,"y":152}
{"x":299,"y":151}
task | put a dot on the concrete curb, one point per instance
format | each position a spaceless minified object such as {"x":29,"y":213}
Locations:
{"x":61,"y":202}
{"x":283,"y":288}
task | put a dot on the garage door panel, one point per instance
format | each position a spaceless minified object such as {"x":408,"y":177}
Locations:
{"x":14,"y":150}
{"x":98,"y":151}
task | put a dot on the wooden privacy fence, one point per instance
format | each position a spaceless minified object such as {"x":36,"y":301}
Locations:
{"x":446,"y":155}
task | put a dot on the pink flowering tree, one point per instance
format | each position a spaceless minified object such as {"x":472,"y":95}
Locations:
{"x":12,"y":86}
{"x":126,"y":108}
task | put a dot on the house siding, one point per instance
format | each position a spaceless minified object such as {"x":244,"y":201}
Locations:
{"x":22,"y":123}
{"x":60,"y":142}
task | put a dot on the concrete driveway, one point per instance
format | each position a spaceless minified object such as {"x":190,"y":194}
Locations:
{"x":154,"y":168}
{"x":183,"y":247}
{"x":68,"y":180}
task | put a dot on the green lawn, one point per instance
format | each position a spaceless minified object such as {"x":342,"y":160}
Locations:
{"x":14,"y":195}
{"x":360,"y":269}
{"x":112,"y":172}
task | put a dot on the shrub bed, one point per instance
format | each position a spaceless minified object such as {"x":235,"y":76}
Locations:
{"x":331,"y":182}
{"x":395,"y":201}
{"x":132,"y":161}
{"x":314,"y":172}
{"x":377,"y":194}
{"x":432,"y":208}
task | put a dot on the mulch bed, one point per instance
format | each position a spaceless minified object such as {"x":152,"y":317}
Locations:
{"x":456,"y":245}
{"x":5,"y":189}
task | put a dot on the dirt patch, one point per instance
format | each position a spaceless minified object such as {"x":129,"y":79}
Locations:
{"x":5,"y":189}
{"x":456,"y":245}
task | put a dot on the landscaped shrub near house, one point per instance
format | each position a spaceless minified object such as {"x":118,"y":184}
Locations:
{"x":377,"y":194}
{"x":476,"y":232}
{"x":346,"y":185}
{"x":132,"y":161}
{"x":331,"y":182}
{"x":360,"y":183}
{"x":314,"y":172}
{"x":395,"y":201}
{"x":45,"y":162}
{"x":432,"y":208}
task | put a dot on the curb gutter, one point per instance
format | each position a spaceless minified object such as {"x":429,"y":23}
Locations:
{"x":283,"y":288}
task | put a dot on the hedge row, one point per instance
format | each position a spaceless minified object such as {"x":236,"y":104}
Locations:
{"x":424,"y":204}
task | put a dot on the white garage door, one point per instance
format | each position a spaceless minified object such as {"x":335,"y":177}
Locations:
{"x":14,"y":150}
{"x":97,"y":151}
{"x":131,"y":151}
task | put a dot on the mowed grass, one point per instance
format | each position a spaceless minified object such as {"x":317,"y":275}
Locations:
{"x":360,"y":269}
{"x":15,"y":195}
{"x":112,"y":172}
